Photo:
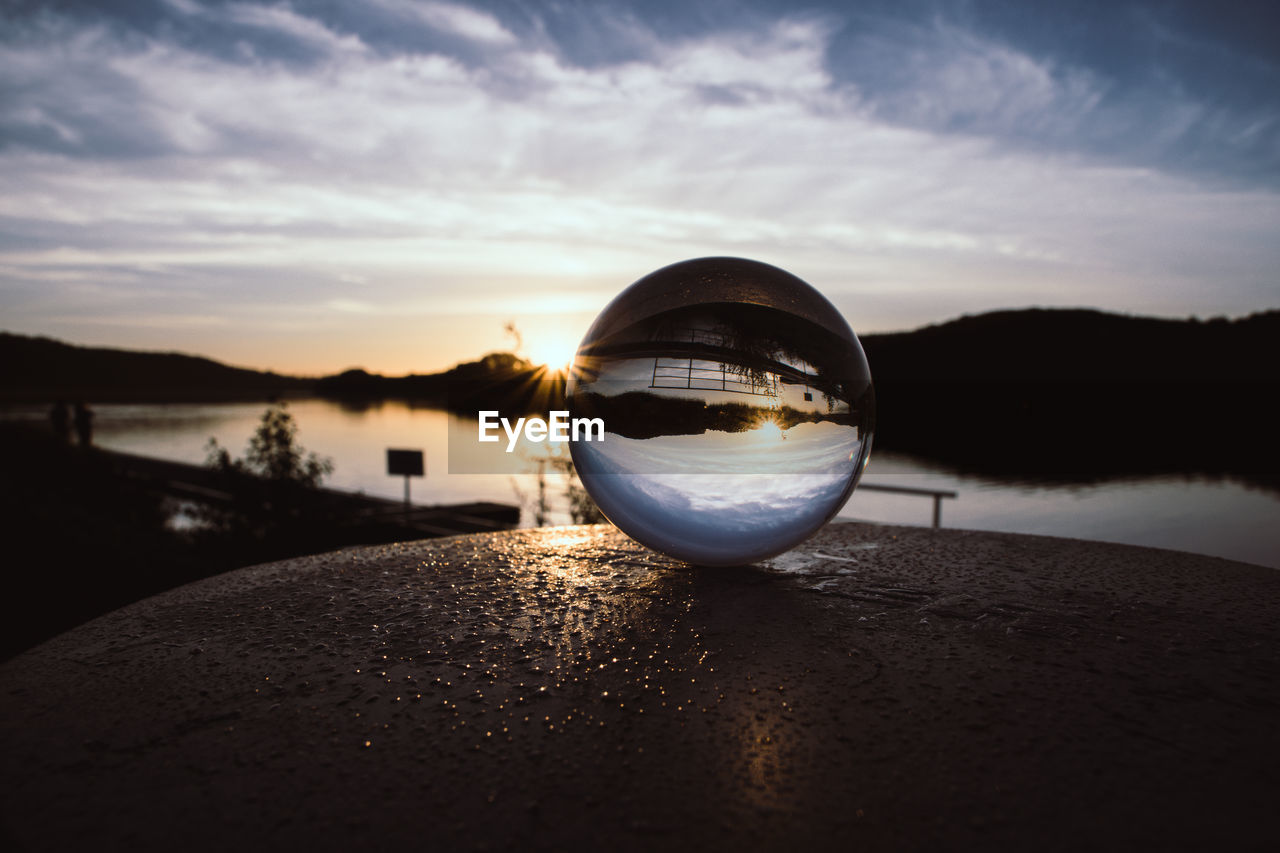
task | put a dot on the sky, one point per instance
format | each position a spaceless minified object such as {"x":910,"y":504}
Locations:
{"x":313,"y":186}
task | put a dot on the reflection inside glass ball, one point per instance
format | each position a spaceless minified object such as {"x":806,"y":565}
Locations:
{"x":737,"y":410}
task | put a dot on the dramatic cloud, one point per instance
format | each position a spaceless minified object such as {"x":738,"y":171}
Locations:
{"x":290,"y":177}
{"x":451,"y":18}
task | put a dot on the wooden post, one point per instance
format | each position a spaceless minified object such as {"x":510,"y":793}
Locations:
{"x":410,"y":463}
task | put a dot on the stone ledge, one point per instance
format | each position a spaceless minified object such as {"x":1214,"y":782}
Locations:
{"x":877,"y":688}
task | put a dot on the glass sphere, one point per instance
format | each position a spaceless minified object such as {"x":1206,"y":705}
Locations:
{"x":737,"y":411}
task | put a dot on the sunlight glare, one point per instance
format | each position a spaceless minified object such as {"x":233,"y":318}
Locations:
{"x":768,"y":432}
{"x":552,"y":349}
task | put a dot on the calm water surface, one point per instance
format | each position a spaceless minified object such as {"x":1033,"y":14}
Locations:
{"x":1221,"y":517}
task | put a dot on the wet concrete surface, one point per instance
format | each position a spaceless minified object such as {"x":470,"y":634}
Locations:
{"x":879,"y":688}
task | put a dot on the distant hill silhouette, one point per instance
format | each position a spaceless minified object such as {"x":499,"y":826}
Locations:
{"x":1074,"y":345}
{"x":1078,"y":394}
{"x":42,"y":369}
{"x":1070,"y":393}
{"x":497,"y":381}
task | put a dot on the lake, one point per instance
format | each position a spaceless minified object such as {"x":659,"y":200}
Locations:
{"x":1218,"y":516}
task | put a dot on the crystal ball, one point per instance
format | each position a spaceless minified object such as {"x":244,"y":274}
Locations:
{"x":737,"y":411}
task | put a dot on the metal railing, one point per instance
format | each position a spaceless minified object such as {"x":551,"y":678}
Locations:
{"x":684,"y":373}
{"x":936,"y":494}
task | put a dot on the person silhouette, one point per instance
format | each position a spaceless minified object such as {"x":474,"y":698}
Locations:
{"x":84,"y":424}
{"x":60,"y":420}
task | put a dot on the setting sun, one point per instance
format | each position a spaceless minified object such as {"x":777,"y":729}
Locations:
{"x":768,"y":431}
{"x":552,"y":349}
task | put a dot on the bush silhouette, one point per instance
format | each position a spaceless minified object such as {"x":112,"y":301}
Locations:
{"x":274,"y":491}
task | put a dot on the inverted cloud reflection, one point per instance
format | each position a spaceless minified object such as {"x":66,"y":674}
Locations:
{"x":703,"y":491}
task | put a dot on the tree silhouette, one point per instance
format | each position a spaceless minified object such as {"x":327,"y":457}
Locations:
{"x":274,"y":490}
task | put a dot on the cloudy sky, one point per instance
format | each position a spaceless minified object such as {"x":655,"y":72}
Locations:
{"x":309,"y":186}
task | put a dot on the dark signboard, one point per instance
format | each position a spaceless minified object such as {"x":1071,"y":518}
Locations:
{"x":407,"y":463}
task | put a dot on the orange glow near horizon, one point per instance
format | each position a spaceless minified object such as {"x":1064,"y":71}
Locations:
{"x":553,"y":349}
{"x":768,"y":431}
